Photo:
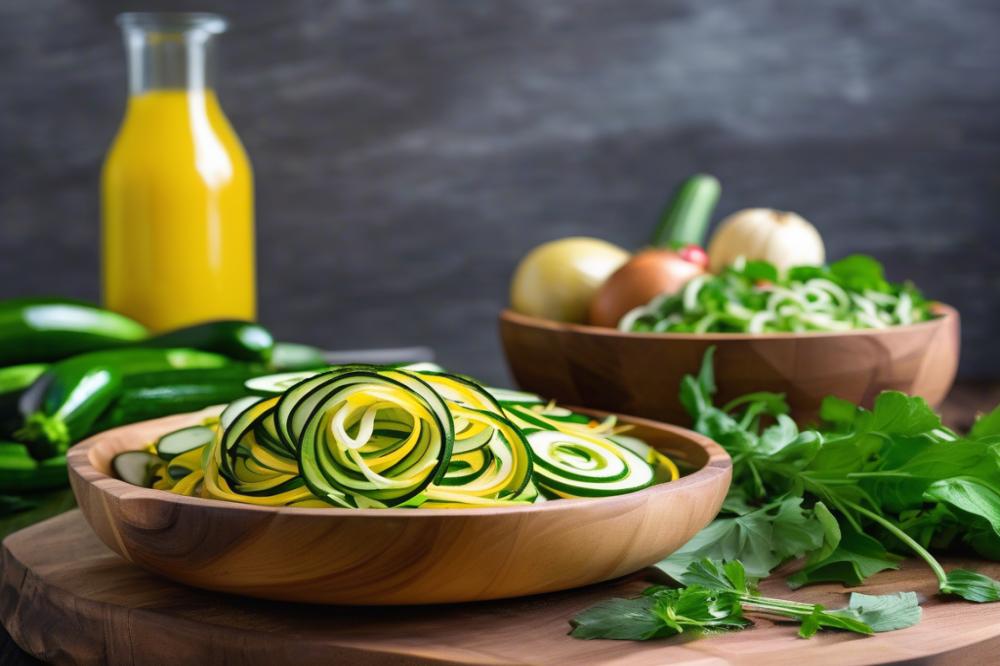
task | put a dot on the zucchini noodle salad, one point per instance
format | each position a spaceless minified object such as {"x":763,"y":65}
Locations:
{"x":751,"y":297}
{"x":413,"y":436}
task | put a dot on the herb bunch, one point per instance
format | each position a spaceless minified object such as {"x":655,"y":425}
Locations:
{"x":850,"y":495}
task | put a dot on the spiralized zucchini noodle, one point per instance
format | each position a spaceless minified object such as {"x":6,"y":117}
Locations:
{"x":377,"y":437}
{"x":751,"y":297}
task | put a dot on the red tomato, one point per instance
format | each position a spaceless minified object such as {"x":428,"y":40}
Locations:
{"x":694,"y":254}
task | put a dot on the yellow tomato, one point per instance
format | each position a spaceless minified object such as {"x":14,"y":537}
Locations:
{"x":557,"y":280}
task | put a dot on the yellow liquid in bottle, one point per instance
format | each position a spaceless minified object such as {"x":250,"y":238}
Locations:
{"x":177,"y":198}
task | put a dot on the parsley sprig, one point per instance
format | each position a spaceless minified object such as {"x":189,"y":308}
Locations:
{"x":716,"y":597}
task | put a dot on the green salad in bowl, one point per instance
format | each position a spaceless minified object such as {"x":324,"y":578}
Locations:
{"x":755,"y":297}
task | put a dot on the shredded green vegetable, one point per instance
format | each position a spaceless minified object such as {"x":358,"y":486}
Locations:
{"x":751,"y":297}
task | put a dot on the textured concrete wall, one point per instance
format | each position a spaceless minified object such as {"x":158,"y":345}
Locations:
{"x":408,"y":152}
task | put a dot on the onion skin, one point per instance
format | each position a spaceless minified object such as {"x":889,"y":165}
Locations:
{"x":558,"y":280}
{"x":648,"y":274}
{"x":782,"y":238}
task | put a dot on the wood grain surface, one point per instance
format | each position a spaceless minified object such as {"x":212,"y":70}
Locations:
{"x":395,"y":556}
{"x":639,"y":373}
{"x":67,"y":599}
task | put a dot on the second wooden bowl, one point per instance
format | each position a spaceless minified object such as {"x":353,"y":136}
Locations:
{"x":640,"y":373}
{"x":395,"y":556}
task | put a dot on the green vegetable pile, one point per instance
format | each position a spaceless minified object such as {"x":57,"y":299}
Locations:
{"x":752,"y":297}
{"x":69,"y":369}
{"x":850,"y":496}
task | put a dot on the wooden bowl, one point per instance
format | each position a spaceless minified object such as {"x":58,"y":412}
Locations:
{"x":640,"y":373}
{"x":394,"y":556}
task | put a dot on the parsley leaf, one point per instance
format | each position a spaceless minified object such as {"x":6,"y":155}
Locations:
{"x":971,"y":586}
{"x":987,"y":425}
{"x":854,"y":559}
{"x":619,"y":619}
{"x":761,"y":539}
{"x":970,"y":495}
{"x":860,"y":272}
{"x":715,"y":598}
{"x":896,"y":413}
{"x":696,"y":608}
{"x":886,"y":612}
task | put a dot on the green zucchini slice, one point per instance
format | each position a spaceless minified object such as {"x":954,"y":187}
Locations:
{"x":181,"y":441}
{"x":277,"y":384}
{"x":506,"y":469}
{"x":578,"y":466}
{"x":378,"y":437}
{"x":235,"y":408}
{"x":135,"y":467}
{"x":512,"y":397}
{"x":422,"y":366}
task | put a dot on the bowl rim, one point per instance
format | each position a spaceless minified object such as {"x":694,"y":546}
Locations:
{"x":82,"y":471}
{"x":945,"y":314}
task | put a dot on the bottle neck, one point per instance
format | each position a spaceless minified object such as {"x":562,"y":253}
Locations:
{"x":170,"y":51}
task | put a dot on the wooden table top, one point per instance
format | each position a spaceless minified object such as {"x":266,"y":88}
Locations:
{"x":68,"y":598}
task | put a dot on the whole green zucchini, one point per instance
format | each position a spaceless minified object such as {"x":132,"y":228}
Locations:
{"x":291,"y":356}
{"x":685,"y":219}
{"x":230,"y":373}
{"x":16,"y":378}
{"x":20,"y":473}
{"x":64,"y":403}
{"x":34,"y":330}
{"x":239,"y":340}
{"x":13,"y":381}
{"x":164,"y":393}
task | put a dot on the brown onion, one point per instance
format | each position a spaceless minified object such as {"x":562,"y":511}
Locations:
{"x":648,"y":274}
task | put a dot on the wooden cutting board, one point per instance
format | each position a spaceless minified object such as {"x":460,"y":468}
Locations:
{"x":65,"y":598}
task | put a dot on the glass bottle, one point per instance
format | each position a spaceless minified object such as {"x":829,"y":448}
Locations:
{"x":176,"y":188}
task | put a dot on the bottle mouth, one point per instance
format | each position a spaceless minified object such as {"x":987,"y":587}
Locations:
{"x":174,"y":21}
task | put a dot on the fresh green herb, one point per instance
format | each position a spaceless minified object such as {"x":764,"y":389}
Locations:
{"x":716,"y":596}
{"x":850,"y":494}
{"x":659,"y":613}
{"x":987,"y":425}
{"x":752,"y":297}
{"x":760,"y":538}
{"x":854,"y":558}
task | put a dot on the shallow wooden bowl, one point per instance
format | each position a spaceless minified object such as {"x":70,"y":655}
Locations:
{"x":640,"y":373}
{"x":395,"y":556}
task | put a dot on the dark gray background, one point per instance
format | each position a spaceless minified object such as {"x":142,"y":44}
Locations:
{"x":408,"y":152}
